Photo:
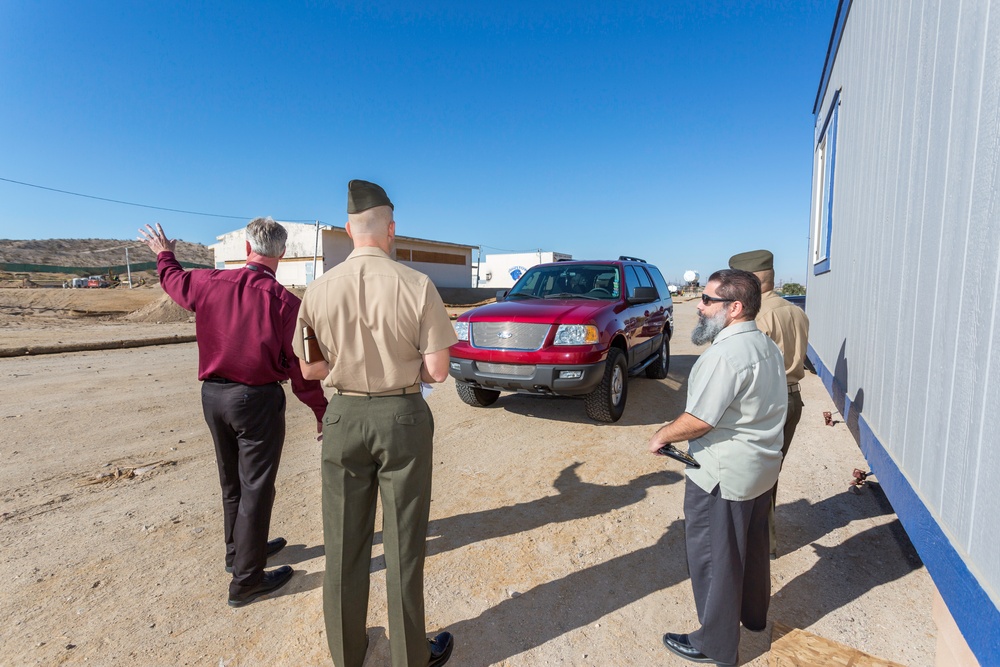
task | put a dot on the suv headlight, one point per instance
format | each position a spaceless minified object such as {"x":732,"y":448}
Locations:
{"x":461,"y":330}
{"x":575,"y":334}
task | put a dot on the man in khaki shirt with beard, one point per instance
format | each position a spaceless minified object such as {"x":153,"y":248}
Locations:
{"x":382,"y":329}
{"x":787,"y":325}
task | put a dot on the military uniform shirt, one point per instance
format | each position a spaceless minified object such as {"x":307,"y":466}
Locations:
{"x":374,"y":318}
{"x":787,"y":325}
{"x":738,"y":387}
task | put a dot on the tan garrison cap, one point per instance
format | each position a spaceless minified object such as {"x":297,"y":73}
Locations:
{"x":755,"y":260}
{"x":362,"y":195}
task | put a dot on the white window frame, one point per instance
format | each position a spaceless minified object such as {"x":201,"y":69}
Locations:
{"x":824,"y":171}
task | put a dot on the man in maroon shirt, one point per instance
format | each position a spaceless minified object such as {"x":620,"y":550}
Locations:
{"x":245,"y":323}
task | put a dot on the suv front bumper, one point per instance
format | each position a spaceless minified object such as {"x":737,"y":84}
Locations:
{"x":545,"y":379}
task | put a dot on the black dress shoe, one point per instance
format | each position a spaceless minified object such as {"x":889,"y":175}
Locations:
{"x":273,"y":547}
{"x":441,"y":647}
{"x":679,"y":644}
{"x":271,"y":581}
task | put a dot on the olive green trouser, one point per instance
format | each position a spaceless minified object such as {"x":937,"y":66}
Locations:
{"x":794,"y":414}
{"x":369,"y":444}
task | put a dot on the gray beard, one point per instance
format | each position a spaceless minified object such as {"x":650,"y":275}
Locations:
{"x":708,"y":328}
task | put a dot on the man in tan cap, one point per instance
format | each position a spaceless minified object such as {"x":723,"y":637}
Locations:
{"x":381,"y":329}
{"x":787,"y":325}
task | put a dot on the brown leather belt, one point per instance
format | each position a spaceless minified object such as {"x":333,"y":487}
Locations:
{"x":414,"y":389}
{"x":793,"y":388}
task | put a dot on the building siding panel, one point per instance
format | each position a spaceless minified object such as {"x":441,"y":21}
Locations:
{"x":961,"y":263}
{"x":907,"y":320}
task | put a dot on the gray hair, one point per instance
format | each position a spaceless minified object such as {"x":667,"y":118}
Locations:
{"x":266,"y":237}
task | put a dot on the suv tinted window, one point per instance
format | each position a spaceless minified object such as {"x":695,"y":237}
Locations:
{"x":635,"y":277}
{"x":661,"y":284}
{"x":591,"y":281}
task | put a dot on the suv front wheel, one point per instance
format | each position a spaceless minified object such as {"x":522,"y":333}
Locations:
{"x":607,"y":402}
{"x":475,"y":396}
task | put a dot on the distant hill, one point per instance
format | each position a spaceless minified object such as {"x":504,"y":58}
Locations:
{"x":93,"y":252}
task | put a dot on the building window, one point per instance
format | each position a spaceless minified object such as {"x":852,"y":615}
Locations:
{"x":824,"y":170}
{"x":429,"y":257}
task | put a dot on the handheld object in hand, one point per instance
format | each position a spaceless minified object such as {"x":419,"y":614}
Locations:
{"x":674,"y":453}
{"x":310,"y":345}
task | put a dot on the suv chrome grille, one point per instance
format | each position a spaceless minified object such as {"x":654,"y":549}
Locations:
{"x":516,"y":370}
{"x":509,"y":335}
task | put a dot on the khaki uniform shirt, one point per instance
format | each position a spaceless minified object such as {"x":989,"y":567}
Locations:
{"x":738,"y":387}
{"x":374,"y":318}
{"x":787,"y":325}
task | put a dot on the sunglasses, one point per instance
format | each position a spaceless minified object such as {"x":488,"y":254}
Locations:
{"x":707,"y":300}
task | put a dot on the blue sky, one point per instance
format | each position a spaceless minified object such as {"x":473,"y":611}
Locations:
{"x":677,"y":131}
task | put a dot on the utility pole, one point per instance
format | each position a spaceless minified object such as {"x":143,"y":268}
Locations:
{"x":478,"y":264}
{"x":316,"y":253}
{"x":128,"y":268}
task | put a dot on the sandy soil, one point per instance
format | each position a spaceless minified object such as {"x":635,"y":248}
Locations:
{"x":553,"y":540}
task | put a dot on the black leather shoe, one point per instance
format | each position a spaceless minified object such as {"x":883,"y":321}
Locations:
{"x":441,"y":647}
{"x":679,"y":644}
{"x":271,"y":581}
{"x":273,"y":547}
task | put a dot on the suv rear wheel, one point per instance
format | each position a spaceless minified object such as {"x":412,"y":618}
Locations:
{"x":607,"y":402}
{"x":476,"y":396}
{"x":659,"y":368}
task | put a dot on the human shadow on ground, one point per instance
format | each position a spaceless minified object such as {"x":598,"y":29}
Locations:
{"x":844,"y":573}
{"x":799,"y":523}
{"x":296,"y":553}
{"x":552,"y":609}
{"x":648,"y":402}
{"x":576,"y":500}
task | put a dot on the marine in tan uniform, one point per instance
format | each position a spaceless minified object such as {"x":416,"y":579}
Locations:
{"x":787,"y":325}
{"x":382,"y":329}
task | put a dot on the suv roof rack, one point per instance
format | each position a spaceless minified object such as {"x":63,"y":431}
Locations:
{"x":626,"y":258}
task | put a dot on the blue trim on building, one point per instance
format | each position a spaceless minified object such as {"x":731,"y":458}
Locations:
{"x":839,"y":21}
{"x":974,"y":612}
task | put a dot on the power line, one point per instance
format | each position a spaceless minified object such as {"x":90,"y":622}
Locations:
{"x":129,"y":203}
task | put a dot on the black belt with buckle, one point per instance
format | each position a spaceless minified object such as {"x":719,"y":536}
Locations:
{"x":794,"y":388}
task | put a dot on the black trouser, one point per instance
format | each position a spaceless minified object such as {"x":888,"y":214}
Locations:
{"x":248,"y":427}
{"x":729,"y":566}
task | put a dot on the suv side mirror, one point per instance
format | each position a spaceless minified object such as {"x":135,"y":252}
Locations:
{"x":643,"y":295}
{"x":501,"y":294}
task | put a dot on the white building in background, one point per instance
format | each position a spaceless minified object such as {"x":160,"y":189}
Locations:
{"x":904,"y":293}
{"x":502,"y":271}
{"x":312,"y":250}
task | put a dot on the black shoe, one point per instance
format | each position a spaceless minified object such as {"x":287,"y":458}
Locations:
{"x":441,"y":647}
{"x":679,"y":644}
{"x":273,"y":547}
{"x":271,"y":581}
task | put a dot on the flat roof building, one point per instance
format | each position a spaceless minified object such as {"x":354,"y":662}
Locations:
{"x":313,"y":249}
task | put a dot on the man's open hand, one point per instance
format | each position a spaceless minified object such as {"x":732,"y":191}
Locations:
{"x":156,"y":239}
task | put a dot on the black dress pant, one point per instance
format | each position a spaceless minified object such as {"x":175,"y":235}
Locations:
{"x":248,"y":427}
{"x":727,"y":551}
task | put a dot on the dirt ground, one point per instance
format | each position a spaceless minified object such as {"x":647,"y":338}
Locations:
{"x":553,"y":540}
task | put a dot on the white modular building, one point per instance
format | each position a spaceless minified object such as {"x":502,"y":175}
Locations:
{"x":500,"y":271}
{"x":904,"y":291}
{"x":314,"y":249}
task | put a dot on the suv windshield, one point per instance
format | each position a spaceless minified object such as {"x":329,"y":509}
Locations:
{"x":575,"y":281}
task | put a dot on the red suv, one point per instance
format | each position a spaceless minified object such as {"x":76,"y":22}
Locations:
{"x":568,"y":329}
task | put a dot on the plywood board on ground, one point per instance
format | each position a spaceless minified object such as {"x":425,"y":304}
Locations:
{"x":791,"y":647}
